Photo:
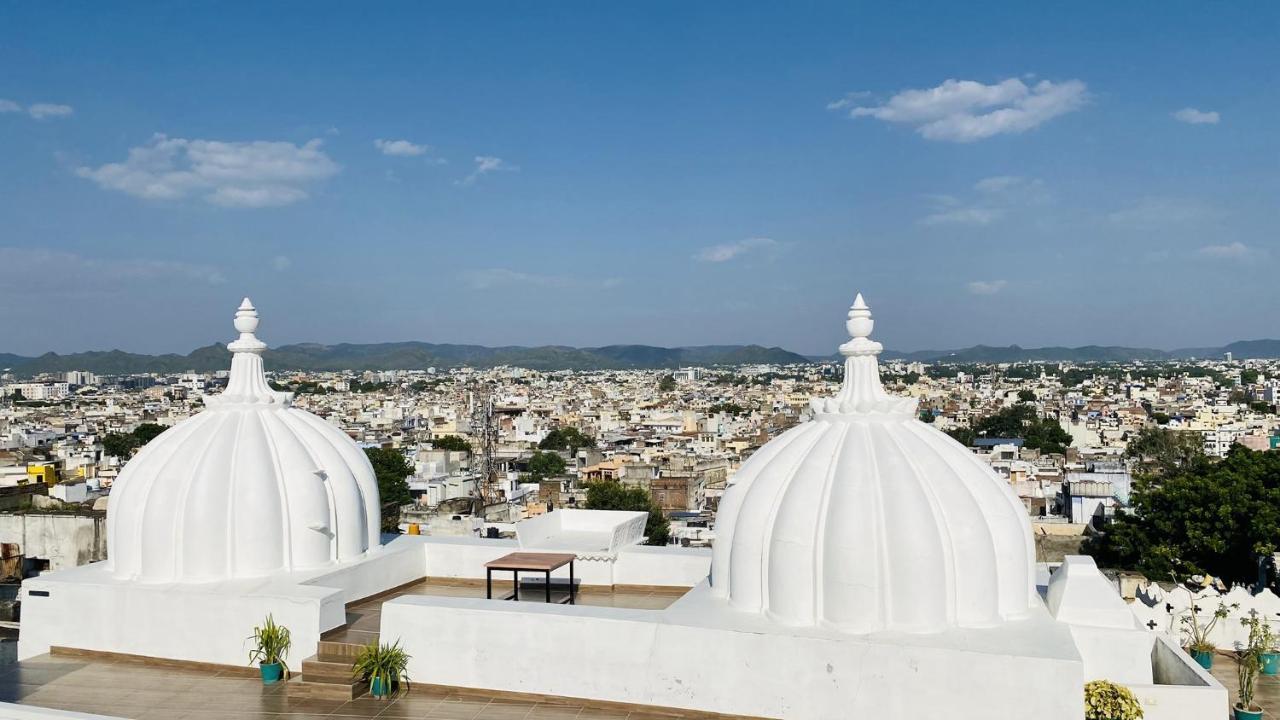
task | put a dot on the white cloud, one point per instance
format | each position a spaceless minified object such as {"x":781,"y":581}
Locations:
{"x":233,"y":174}
{"x":986,"y":287}
{"x":400,"y":148}
{"x":18,"y":264}
{"x":1230,"y":251}
{"x":490,"y":278}
{"x":963,"y":216}
{"x":992,"y":200}
{"x":486,"y":164}
{"x":967,"y":110}
{"x":39,"y":111}
{"x":281,"y":263}
{"x":728,"y":251}
{"x":1150,"y":212}
{"x":1192,"y":116}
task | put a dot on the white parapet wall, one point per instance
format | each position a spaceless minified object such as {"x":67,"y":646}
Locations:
{"x":688,"y":657}
{"x":86,"y":608}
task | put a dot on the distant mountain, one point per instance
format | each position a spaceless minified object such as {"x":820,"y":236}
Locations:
{"x":421,"y":355}
{"x":407,"y":356}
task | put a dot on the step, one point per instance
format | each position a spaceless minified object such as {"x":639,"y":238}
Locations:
{"x":330,"y":649}
{"x":327,"y":669}
{"x":301,"y":689}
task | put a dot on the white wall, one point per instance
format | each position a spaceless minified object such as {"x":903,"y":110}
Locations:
{"x":66,"y":541}
{"x":636,"y":657}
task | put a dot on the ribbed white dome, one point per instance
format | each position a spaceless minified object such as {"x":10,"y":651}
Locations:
{"x":866,"y":519}
{"x":248,"y":487}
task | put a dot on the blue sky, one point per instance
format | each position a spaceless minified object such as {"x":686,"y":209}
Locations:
{"x":668,"y":173}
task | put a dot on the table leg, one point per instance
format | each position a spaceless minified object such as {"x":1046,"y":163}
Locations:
{"x":571,"y":590}
{"x":548,"y":586}
{"x":488,"y":583}
{"x":516,"y":574}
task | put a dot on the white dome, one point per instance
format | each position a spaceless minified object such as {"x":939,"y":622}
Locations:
{"x":865,"y":519}
{"x":249,"y":487}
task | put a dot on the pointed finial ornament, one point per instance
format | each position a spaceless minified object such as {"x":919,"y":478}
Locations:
{"x":247,"y":383}
{"x":862,"y":396}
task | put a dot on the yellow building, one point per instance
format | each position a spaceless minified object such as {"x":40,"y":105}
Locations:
{"x":46,"y":473}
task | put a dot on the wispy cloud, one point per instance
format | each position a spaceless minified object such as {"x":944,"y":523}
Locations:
{"x":18,"y":264}
{"x":1150,"y":212}
{"x":1192,"y":116}
{"x":967,"y":110}
{"x":1230,"y":251}
{"x":489,"y":278}
{"x":991,"y":200}
{"x":986,"y":287}
{"x":728,"y":251}
{"x":39,"y":111}
{"x":281,"y":263}
{"x":486,"y":164}
{"x":233,"y":174}
{"x":404,"y":148}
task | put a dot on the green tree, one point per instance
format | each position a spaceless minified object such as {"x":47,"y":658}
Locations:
{"x":392,"y":470}
{"x":452,"y":443}
{"x":119,"y":445}
{"x":667,"y":383}
{"x":1203,"y":517}
{"x":1026,"y":396}
{"x":146,"y":432}
{"x":566,"y":438}
{"x":1017,"y":421}
{"x":1160,"y":451}
{"x":544,"y":465}
{"x":1248,"y":377}
{"x":613,"y":495}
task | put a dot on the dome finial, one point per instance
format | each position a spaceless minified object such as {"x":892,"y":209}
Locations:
{"x":860,"y":326}
{"x":246,"y":323}
{"x":248,"y":380}
{"x":861,"y":393}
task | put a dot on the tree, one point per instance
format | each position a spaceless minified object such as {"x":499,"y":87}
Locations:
{"x":1018,"y":421}
{"x":1203,"y":517}
{"x":1248,"y":377}
{"x":566,"y":438}
{"x":452,"y":443}
{"x":1160,"y":451}
{"x":392,"y":470}
{"x":667,"y":383}
{"x":613,"y":495}
{"x":544,"y":465}
{"x":119,"y":445}
{"x":1026,"y":396}
{"x":146,"y":432}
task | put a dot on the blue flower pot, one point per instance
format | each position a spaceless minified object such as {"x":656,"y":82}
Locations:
{"x":1270,"y":663}
{"x":271,"y":672}
{"x":1204,"y":657}
{"x":377,"y":689}
{"x":1246,"y":714}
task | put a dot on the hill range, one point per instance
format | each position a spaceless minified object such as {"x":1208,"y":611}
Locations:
{"x":421,"y":355}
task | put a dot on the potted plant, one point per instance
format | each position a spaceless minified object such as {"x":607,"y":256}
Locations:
{"x":1198,"y":631}
{"x":1248,"y":663}
{"x":383,"y":667}
{"x":271,"y":645}
{"x":1105,"y":700}
{"x":1262,"y":639}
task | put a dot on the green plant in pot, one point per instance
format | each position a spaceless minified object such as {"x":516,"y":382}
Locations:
{"x":384,"y":667}
{"x":1248,"y":663}
{"x":1199,"y":629}
{"x":271,"y":646}
{"x":1105,"y":700}
{"x":1262,"y":640}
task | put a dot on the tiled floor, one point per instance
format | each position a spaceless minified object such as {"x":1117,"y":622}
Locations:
{"x":1266,"y":692}
{"x":364,"y":618}
{"x":130,"y":690}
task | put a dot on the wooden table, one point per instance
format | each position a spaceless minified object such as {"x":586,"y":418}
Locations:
{"x":518,"y":562}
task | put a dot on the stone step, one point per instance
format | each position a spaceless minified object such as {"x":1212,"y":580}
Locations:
{"x":327,"y":669}
{"x":331,"y":649}
{"x":301,"y":689}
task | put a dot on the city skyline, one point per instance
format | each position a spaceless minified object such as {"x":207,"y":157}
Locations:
{"x":668,"y":175}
